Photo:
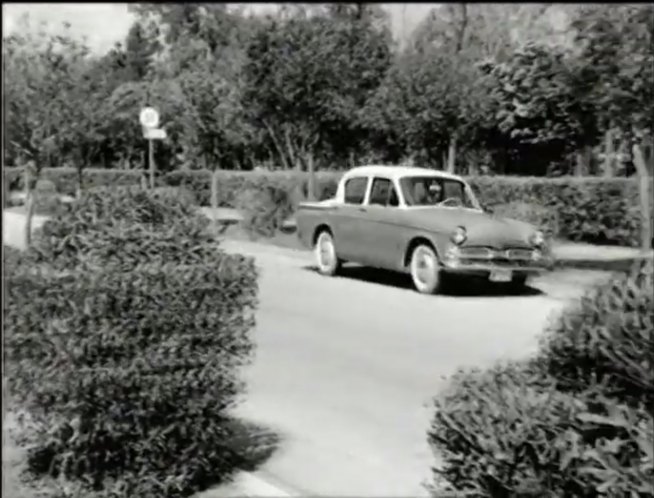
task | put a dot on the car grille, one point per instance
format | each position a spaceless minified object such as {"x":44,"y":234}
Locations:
{"x":503,"y":257}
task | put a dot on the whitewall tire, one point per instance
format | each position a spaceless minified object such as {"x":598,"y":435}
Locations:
{"x":325,"y":254}
{"x":425,"y":270}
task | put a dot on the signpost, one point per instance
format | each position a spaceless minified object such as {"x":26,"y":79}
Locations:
{"x":149,"y":118}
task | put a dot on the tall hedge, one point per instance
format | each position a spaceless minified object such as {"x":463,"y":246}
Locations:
{"x":590,"y":209}
{"x":125,"y":329}
{"x":66,"y":179}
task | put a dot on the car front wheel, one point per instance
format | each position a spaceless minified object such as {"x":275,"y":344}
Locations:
{"x":426,"y":270}
{"x":325,"y":252}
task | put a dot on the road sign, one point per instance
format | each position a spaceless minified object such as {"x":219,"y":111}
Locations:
{"x":149,"y":117}
{"x":154,"y":133}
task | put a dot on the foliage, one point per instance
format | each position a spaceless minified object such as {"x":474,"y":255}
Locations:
{"x":608,"y":337}
{"x":510,"y":432}
{"x":265,"y":210}
{"x":146,"y":323}
{"x":307,"y":77}
{"x":120,"y":227}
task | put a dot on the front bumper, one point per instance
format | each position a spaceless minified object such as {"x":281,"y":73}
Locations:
{"x":484,"y":261}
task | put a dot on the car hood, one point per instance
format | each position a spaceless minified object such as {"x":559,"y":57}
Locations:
{"x":483,"y":229}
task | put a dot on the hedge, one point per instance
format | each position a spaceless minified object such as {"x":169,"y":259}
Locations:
{"x":607,"y":337}
{"x":576,"y":420}
{"x":66,"y":179}
{"x":590,"y":209}
{"x":125,"y":327}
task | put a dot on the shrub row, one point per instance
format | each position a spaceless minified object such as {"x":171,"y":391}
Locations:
{"x":593,"y":210}
{"x":577,"y":420}
{"x":125,"y":327}
{"x":65,"y":180}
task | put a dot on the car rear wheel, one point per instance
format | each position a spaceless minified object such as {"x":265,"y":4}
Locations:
{"x":325,"y":252}
{"x":426,"y":270}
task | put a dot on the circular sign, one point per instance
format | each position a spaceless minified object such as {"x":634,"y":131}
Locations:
{"x":149,"y":117}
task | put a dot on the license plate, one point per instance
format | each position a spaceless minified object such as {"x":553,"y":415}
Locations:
{"x":501,"y":276}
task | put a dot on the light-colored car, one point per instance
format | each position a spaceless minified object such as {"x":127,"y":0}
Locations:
{"x":419,"y":221}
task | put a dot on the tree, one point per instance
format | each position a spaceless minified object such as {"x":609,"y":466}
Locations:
{"x":46,"y":101}
{"x":306,"y":78}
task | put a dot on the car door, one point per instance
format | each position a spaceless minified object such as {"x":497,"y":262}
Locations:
{"x":380,"y":230}
{"x":351,"y":214}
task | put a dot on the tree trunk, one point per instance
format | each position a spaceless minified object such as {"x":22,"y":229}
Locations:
{"x":609,"y":153}
{"x":583,"y":159}
{"x":451,"y":155}
{"x":312,"y":179}
{"x":214,"y":189}
{"x":646,"y":228}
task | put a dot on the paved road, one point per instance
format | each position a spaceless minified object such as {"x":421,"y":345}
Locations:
{"x":345,"y":367}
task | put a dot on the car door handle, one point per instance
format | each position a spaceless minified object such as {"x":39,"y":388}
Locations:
{"x":363,"y":210}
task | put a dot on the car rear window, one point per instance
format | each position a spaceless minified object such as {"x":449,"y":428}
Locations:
{"x":383,"y":193}
{"x":355,"y":190}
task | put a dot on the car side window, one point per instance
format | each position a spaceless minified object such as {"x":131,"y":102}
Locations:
{"x":383,"y":193}
{"x":355,"y":190}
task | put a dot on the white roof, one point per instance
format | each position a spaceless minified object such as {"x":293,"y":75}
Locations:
{"x":396,"y":172}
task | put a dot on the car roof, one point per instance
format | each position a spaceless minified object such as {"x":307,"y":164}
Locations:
{"x":396,"y":172}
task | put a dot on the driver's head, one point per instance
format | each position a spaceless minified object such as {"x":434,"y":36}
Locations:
{"x":435,"y":191}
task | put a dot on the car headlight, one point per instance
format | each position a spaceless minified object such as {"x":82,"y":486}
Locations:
{"x":538,"y":238}
{"x":459,"y":236}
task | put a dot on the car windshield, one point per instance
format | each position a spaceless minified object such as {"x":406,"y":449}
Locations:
{"x":435,"y":191}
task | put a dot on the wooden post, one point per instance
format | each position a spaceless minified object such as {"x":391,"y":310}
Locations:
{"x":643,"y":188}
{"x":151,"y":161}
{"x":609,"y":152}
{"x":214,"y":189}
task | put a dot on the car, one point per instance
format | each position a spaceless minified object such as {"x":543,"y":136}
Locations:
{"x":423,"y":222}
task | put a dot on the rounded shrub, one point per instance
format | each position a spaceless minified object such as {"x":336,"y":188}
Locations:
{"x":577,"y":420}
{"x":607,"y":337}
{"x":124,"y":339}
{"x":122,"y":227}
{"x":496,"y":433}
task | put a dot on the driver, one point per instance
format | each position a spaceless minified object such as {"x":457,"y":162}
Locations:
{"x":435,"y":193}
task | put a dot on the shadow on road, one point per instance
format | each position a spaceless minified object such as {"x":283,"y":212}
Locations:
{"x":471,"y":287}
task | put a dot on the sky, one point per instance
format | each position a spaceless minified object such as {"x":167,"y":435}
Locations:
{"x":103,"y":24}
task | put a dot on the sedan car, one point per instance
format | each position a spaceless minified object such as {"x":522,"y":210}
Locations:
{"x":423,"y":222}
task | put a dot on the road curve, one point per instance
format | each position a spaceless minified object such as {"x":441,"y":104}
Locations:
{"x":345,"y":367}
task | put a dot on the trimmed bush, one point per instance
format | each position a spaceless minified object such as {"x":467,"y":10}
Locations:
{"x":607,"y":337}
{"x":578,"y":420}
{"x":509,"y":432}
{"x":590,"y":209}
{"x":264,"y":211}
{"x":124,"y":337}
{"x":66,"y":179}
{"x":123,"y":227}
